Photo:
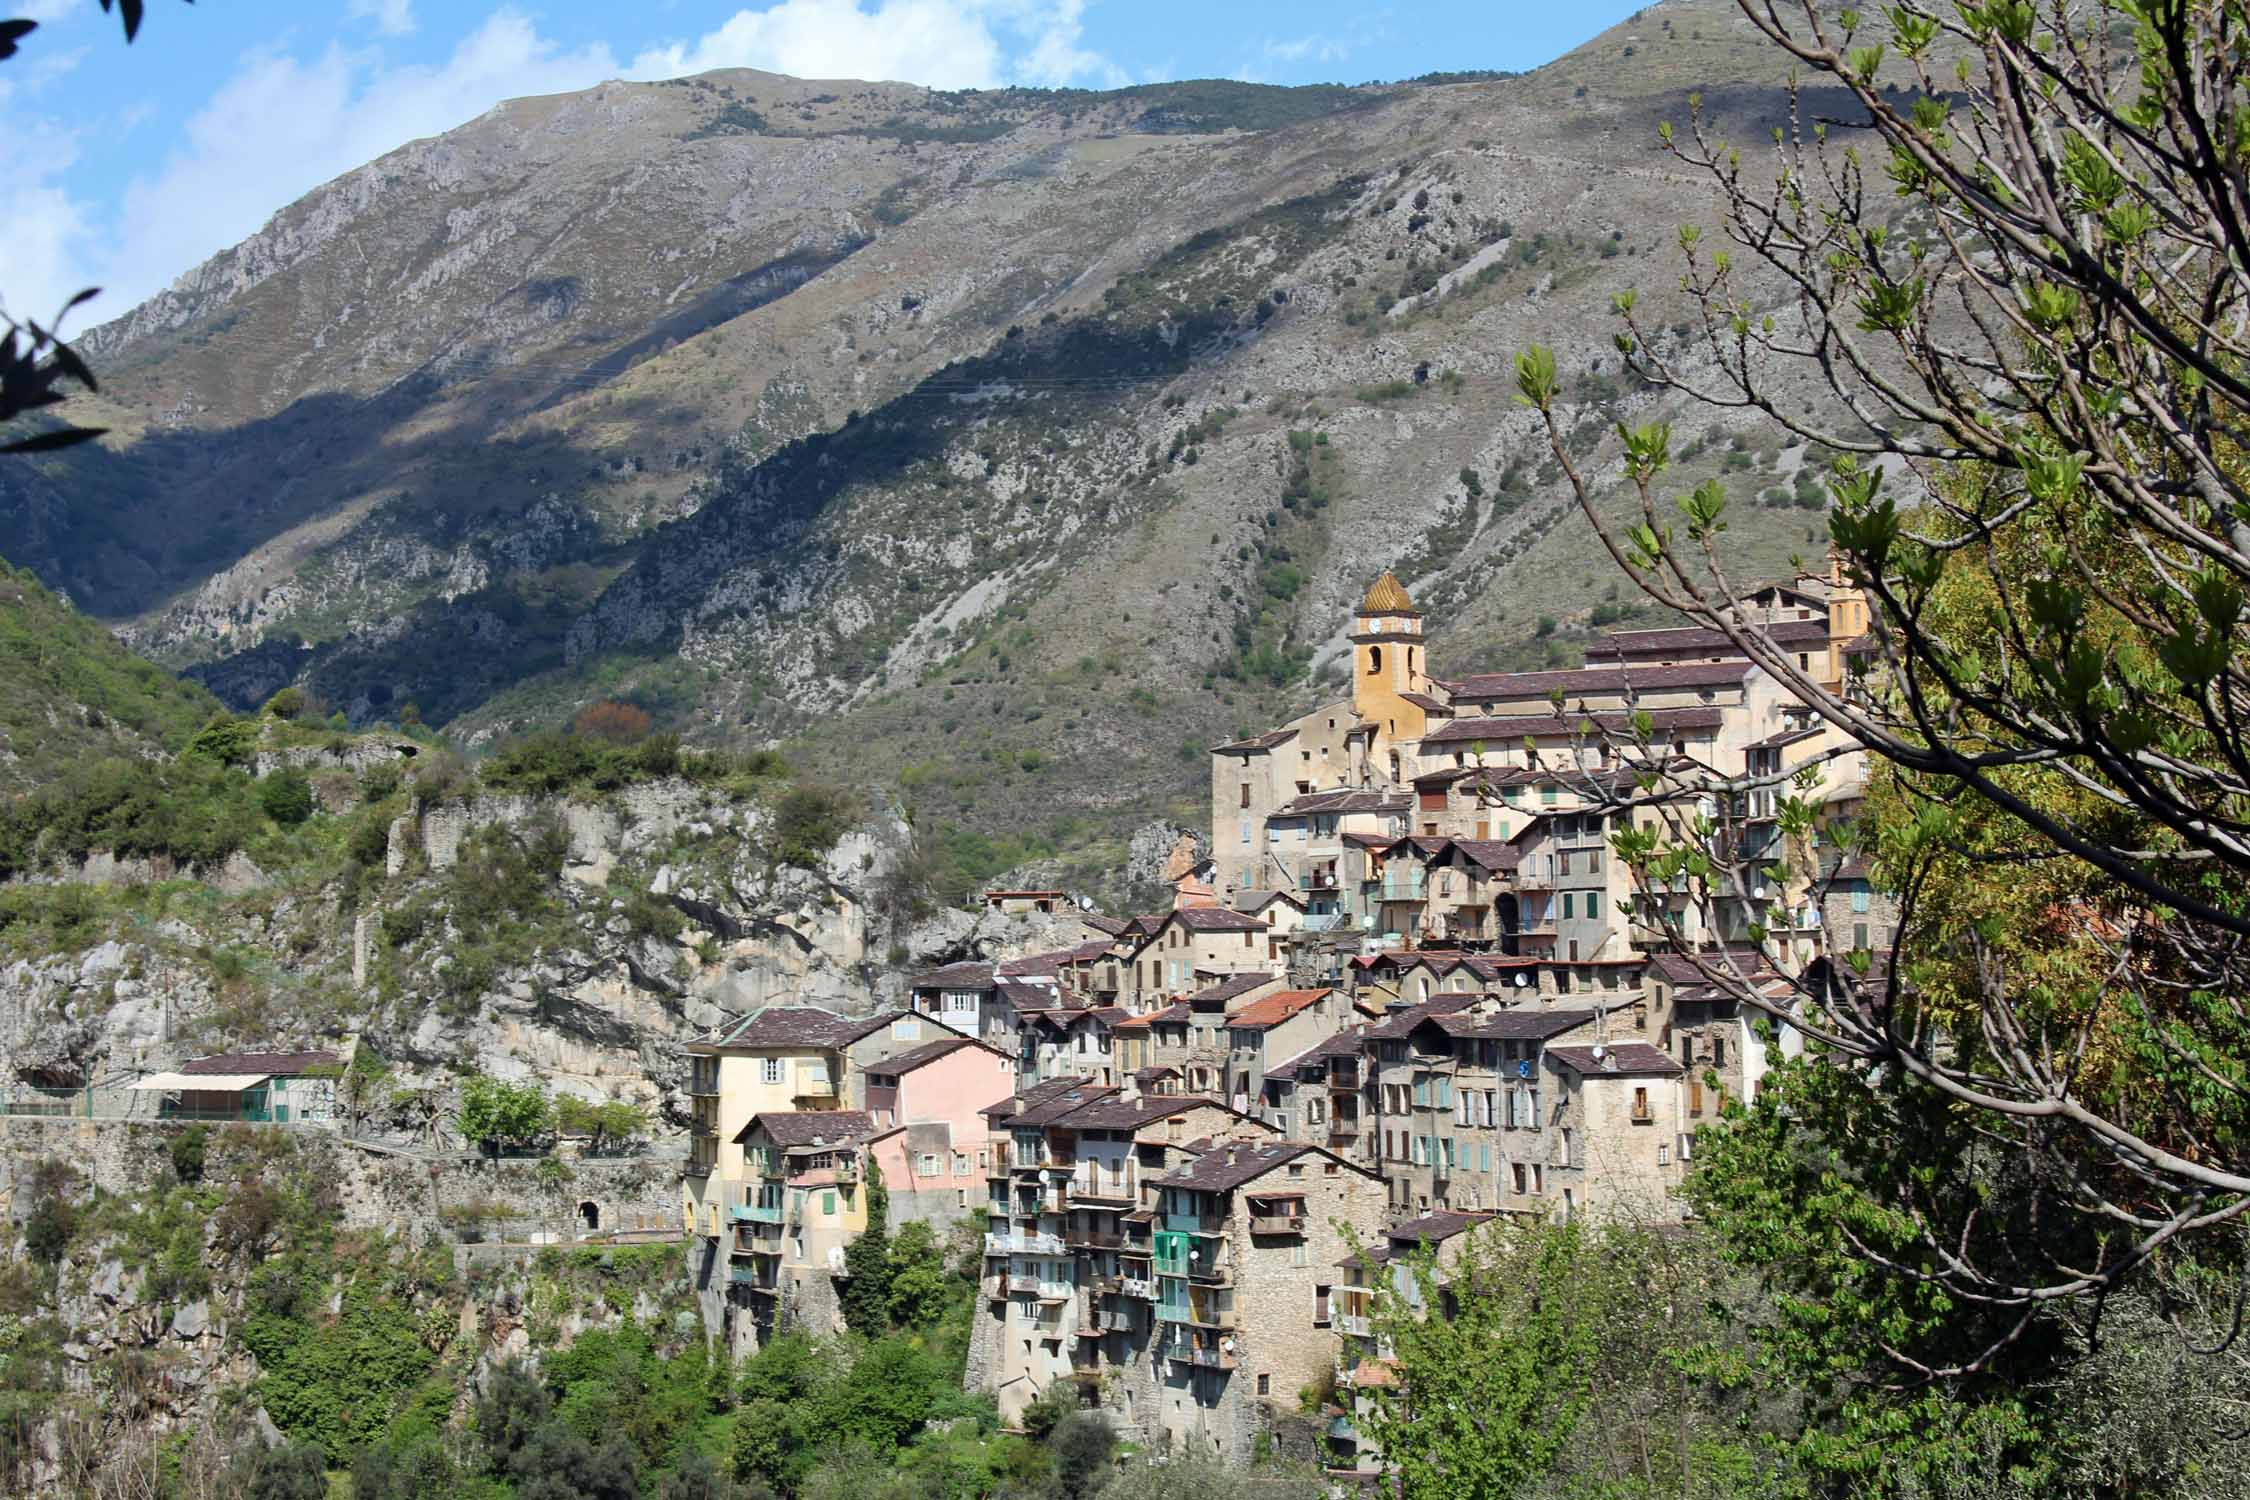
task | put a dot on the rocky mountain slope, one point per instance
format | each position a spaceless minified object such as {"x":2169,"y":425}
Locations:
{"x":1009,"y":446}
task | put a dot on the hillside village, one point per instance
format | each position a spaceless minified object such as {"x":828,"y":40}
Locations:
{"x":1409,"y":991}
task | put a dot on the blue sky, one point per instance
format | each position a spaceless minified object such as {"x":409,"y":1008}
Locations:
{"x":126,"y":166}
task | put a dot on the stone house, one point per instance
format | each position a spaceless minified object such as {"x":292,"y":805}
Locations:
{"x":779,"y":1058}
{"x":1247,"y":1237}
{"x":1617,"y":1129}
{"x":1266,"y":1032}
{"x":1196,"y":941}
{"x":806,"y":1202}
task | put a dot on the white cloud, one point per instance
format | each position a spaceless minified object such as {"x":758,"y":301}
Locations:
{"x":946,"y":44}
{"x":391,"y":17}
{"x":286,"y":121}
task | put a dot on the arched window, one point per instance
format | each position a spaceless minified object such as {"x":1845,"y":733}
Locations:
{"x":1374,"y":659}
{"x":1411,"y":669}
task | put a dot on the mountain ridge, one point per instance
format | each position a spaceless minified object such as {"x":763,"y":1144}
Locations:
{"x":918,"y":431}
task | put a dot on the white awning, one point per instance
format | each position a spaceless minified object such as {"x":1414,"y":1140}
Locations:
{"x":210,"y":1082}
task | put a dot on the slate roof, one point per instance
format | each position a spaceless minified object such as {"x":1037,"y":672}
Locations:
{"x":924,"y":1055}
{"x":1493,"y":686}
{"x":1343,"y":800}
{"x":811,"y":1127}
{"x":1634,"y":1060}
{"x":1055,"y":1106}
{"x":1228,"y":989}
{"x":1218,"y":919}
{"x":1345,"y":1043}
{"x":1404,"y":1021}
{"x":798,"y":1026}
{"x":1251,"y":901}
{"x":1116,"y":1113}
{"x":969,"y":975}
{"x":1519,"y":1025}
{"x":1255,"y":743}
{"x":1785,"y":737}
{"x":1438,"y":1225}
{"x":272,"y":1064}
{"x":1231,"y":1164}
{"x":1038,"y":1093}
{"x":1114,"y":926}
{"x":1426,"y":703}
{"x":1493,"y":854}
{"x":1702,"y":640}
{"x":1025,"y":997}
{"x":1036,"y":965}
{"x":1273,"y":1009}
{"x":1510,"y":728}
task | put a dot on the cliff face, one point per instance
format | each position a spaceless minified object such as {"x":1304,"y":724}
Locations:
{"x":1013,"y":440}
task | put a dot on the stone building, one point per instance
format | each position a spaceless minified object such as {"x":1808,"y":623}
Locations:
{"x":806,"y":1202}
{"x":1246,"y":1239}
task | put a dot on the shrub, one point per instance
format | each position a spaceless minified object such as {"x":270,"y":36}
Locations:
{"x":48,"y":1228}
{"x":289,"y":703}
{"x":226,"y":741}
{"x":812,"y":816}
{"x":495,"y":1113}
{"x":188,"y":1148}
{"x":286,"y":796}
{"x":613,"y":723}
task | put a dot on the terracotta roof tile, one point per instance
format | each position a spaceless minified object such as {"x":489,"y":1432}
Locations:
{"x":1273,"y":1009}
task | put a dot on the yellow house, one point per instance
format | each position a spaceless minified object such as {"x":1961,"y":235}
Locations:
{"x":784,"y":1058}
{"x":806,"y":1201}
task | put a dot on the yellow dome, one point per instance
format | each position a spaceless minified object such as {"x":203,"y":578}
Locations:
{"x":1387,"y":597}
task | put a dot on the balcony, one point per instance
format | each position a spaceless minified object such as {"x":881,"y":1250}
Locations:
{"x":755,"y":1213}
{"x":1028,"y":1285}
{"x":1098,"y":1187}
{"x":1322,"y":921}
{"x":1355,"y":1324}
{"x":1278,"y":1224}
{"x":1095,"y":1239}
{"x":1023,"y":1242}
{"x":1344,"y":1079}
{"x":1209,"y":1356}
{"x":1401,"y":890}
{"x":815,"y":1086}
{"x":758,"y":1279}
{"x":1137,"y":1287}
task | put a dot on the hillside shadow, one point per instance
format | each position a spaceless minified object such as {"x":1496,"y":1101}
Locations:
{"x":448,"y":656}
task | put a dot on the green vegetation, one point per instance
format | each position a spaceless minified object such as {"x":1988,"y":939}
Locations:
{"x":74,"y":694}
{"x":497,"y":1114}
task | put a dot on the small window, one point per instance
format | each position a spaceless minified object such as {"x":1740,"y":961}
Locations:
{"x":1265,"y":1384}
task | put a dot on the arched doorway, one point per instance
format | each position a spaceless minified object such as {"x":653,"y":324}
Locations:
{"x":589,"y":1215}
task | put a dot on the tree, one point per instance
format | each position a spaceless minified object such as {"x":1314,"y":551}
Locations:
{"x":916,"y":1274}
{"x":1487,"y":1394}
{"x":292,"y":1471}
{"x":866,"y":1296}
{"x":2031,"y":308}
{"x":611,"y":1122}
{"x":286,"y":797}
{"x":496,"y":1114}
{"x":1083,"y":1448}
{"x":187,"y":1150}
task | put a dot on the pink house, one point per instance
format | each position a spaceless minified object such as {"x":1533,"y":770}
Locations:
{"x":929,"y":1140}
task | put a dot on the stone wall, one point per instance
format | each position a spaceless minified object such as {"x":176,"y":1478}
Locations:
{"x":378,"y":1189}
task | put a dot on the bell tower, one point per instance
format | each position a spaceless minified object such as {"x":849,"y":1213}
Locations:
{"x":1387,"y":662}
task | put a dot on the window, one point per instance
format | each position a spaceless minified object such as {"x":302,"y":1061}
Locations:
{"x":828,"y":1201}
{"x":1246,"y":794}
{"x":1516,"y":1171}
{"x":928,"y":1165}
{"x":1859,"y":896}
{"x":1566,"y":900}
{"x":1374,"y":659}
{"x":1265,"y":1384}
{"x":769,"y":1070}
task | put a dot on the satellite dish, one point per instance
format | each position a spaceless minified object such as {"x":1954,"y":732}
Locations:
{"x":1522,"y":979}
{"x":1523,"y":1068}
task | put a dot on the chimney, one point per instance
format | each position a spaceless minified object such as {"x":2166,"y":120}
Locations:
{"x":1128,"y":1087}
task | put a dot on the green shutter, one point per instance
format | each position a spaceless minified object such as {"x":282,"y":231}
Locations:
{"x":828,"y":1201}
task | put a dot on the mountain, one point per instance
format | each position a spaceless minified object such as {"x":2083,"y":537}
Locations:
{"x":1010,"y":445}
{"x":75,"y":695}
